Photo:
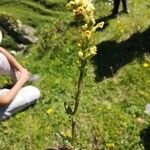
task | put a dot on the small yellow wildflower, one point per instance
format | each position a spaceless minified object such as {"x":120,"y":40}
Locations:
{"x":5,"y":81}
{"x":49,"y":111}
{"x":118,"y":22}
{"x":48,"y":128}
{"x":110,"y":146}
{"x":146,"y":65}
{"x":18,"y":116}
{"x":122,"y":31}
{"x":23,"y":62}
{"x":68,"y":133}
{"x":93,"y":50}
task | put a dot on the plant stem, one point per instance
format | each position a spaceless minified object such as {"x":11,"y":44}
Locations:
{"x":77,"y":99}
{"x":79,"y":85}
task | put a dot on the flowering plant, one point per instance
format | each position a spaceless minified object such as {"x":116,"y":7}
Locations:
{"x":83,"y":10}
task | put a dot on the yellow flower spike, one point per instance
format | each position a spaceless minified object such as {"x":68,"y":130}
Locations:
{"x":146,"y":65}
{"x":80,"y":54}
{"x":88,"y":34}
{"x":49,"y":111}
{"x":93,"y":50}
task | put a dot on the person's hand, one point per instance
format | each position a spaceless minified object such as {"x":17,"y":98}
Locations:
{"x":23,"y":75}
{"x":18,"y":72}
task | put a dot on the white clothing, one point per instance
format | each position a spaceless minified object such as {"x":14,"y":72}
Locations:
{"x":6,"y":68}
{"x":25,"y":97}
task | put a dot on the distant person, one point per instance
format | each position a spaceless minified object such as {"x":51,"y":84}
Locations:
{"x":116,"y":8}
{"x":18,"y":97}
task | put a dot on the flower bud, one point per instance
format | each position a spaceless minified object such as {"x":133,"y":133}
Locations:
{"x":80,"y":54}
{"x":77,"y":2}
{"x":93,"y":50}
{"x":79,"y":44}
{"x":90,"y":8}
{"x":100,"y":25}
{"x":80,"y":11}
{"x":88,"y":34}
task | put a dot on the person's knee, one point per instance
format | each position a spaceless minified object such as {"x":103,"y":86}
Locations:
{"x":30,"y":93}
{"x":35,"y":91}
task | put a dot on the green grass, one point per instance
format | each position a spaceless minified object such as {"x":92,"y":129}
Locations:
{"x":113,"y":100}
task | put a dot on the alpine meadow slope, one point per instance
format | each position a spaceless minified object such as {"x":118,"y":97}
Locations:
{"x":117,"y":84}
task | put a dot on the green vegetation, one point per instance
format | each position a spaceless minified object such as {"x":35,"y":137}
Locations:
{"x":117,"y":84}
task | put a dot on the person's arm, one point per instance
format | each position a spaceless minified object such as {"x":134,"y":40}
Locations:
{"x":11,"y":59}
{"x":9,"y":96}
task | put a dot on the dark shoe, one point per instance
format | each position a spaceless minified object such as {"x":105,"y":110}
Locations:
{"x":126,"y":11}
{"x":114,"y":15}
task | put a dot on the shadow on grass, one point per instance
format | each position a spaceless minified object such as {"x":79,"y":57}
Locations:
{"x":111,"y":55}
{"x":145,"y":138}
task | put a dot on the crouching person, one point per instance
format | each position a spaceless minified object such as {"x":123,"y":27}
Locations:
{"x":18,"y":97}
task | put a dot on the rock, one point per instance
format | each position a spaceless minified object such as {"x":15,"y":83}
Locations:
{"x":21,"y":47}
{"x":27,"y":35}
{"x":22,"y":33}
{"x":28,"y":30}
{"x":13,"y":52}
{"x":27,"y":39}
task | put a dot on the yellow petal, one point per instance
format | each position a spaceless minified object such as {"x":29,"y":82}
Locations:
{"x":49,"y":111}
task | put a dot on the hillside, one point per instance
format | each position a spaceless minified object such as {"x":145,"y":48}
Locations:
{"x":116,"y":88}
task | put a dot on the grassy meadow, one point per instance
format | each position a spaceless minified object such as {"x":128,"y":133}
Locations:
{"x":116,"y":88}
